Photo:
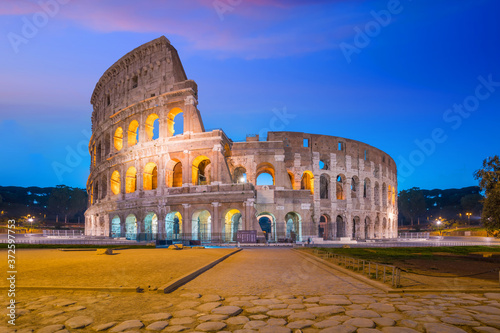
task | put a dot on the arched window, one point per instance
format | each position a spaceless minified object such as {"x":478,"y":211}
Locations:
{"x":115,"y":182}
{"x":133,"y":133}
{"x":291,"y":176}
{"x":201,"y":225}
{"x":98,"y":152}
{"x":354,"y":187}
{"x":367,"y":189}
{"x":307,"y":182}
{"x":201,"y":170}
{"x":150,"y":176}
{"x":173,"y":225}
{"x":376,"y":190}
{"x":175,"y":122}
{"x":340,"y":226}
{"x":340,"y":187}
{"x":240,"y":175}
{"x":324,"y":184}
{"x":118,"y":139}
{"x":384,"y":194}
{"x":265,"y":174}
{"x":130,"y":180}
{"x":152,"y":127}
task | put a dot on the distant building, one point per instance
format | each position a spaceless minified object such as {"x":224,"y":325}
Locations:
{"x":148,"y":181}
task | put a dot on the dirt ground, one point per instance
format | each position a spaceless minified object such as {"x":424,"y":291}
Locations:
{"x":125,"y":268}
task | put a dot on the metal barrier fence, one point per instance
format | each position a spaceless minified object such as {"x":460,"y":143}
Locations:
{"x":63,"y":233}
{"x":414,"y":235}
{"x":373,"y":270}
{"x":68,"y":241}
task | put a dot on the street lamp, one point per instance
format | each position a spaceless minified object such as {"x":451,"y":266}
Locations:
{"x":468,"y":218}
{"x":30,"y":220}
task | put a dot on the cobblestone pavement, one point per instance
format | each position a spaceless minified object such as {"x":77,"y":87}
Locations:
{"x":263,"y":309}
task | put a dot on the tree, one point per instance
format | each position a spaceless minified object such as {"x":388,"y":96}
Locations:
{"x":411,"y":203}
{"x":489,"y":181}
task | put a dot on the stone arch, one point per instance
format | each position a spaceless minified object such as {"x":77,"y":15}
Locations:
{"x":171,"y":119}
{"x":340,"y":223}
{"x":267,"y":223}
{"x":324,"y":227}
{"x":131,"y":227}
{"x":131,"y":180}
{"x":264,"y":167}
{"x":133,"y":133}
{"x":150,"y":176}
{"x":340,"y":193}
{"x":240,"y":175}
{"x":98,"y":152}
{"x":368,"y":228}
{"x":201,"y":170}
{"x":376,"y":194}
{"x":307,"y":181}
{"x":384,"y":228}
{"x":201,"y":224}
{"x":367,"y":189}
{"x":357,"y":228}
{"x":115,"y":182}
{"x":152,"y":127}
{"x":118,"y":139}
{"x":354,"y":187}
{"x":323,"y":163}
{"x":293,"y":226}
{"x":103,"y":190}
{"x":173,"y":177}
{"x":173,"y":225}
{"x":377,"y":228}
{"x":116,"y":228}
{"x":232,"y":223}
{"x":291,"y":176}
{"x":150,"y":226}
{"x":324,"y":186}
{"x":384,"y":194}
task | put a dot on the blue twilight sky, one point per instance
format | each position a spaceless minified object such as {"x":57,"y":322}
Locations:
{"x":418,"y":79}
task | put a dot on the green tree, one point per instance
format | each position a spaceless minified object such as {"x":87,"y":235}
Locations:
{"x":411,"y":203}
{"x":489,"y":181}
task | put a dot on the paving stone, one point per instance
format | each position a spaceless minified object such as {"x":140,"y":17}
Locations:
{"x":63,"y":331}
{"x":211,"y":298}
{"x":64,"y":303}
{"x":228,"y":310}
{"x":242,"y":304}
{"x":257,"y":309}
{"x":282,"y":297}
{"x":384,"y":321}
{"x":293,"y":301}
{"x":213,"y":317}
{"x":368,"y":330}
{"x":244,"y":331}
{"x":185,"y":313}
{"x":326,"y":310}
{"x":248,"y":298}
{"x":51,"y":313}
{"x":266,"y":301}
{"x":362,"y":313}
{"x":485,"y":329}
{"x":238,"y":320}
{"x":182,"y":321}
{"x":277,"y":306}
{"x":381,"y":307}
{"x":360,"y":322}
{"x":485,"y":309}
{"x":274,"y":329}
{"x":296,"y":306}
{"x":339,"y":329}
{"x":442,"y":328}
{"x":54,"y":320}
{"x":459,"y":321}
{"x":157,"y":326}
{"x":280,"y":313}
{"x":398,"y":330}
{"x":187,"y":305}
{"x":335,"y":301}
{"x":51,"y":329}
{"x":427,"y":319}
{"x":156,"y":316}
{"x":301,"y":316}
{"x":355,"y":307}
{"x":21,"y":330}
{"x":211,"y":326}
{"x":362,"y":299}
{"x":492,"y":296}
{"x":408,"y":323}
{"x":393,"y":315}
{"x":207,"y":307}
{"x":326,"y":323}
{"x":127,"y":325}
{"x":75,"y":308}
{"x":300,"y":324}
{"x":175,"y":328}
{"x":106,"y":326}
{"x":490,"y":320}
{"x":253,"y":324}
{"x":276,"y":322}
{"x":311,"y":300}
{"x":79,"y":322}
{"x":191,"y":295}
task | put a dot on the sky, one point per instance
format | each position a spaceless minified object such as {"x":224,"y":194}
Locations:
{"x":417,"y":79}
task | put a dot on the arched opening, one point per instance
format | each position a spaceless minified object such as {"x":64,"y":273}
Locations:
{"x":175,"y":122}
{"x":293,"y":226}
{"x":118,"y":139}
{"x":384,"y":233}
{"x":173,"y":173}
{"x":367,"y":189}
{"x":265,"y":174}
{"x":267,"y":225}
{"x":201,"y":225}
{"x":324,"y":186}
{"x":323,"y":165}
{"x":232,"y":223}
{"x":340,"y":187}
{"x":376,"y":191}
{"x":133,"y":133}
{"x":98,"y":152}
{"x":307,"y":182}
{"x":150,"y":176}
{"x":389,"y":194}
{"x":150,"y":226}
{"x":240,"y":175}
{"x":340,"y":227}
{"x":115,"y":182}
{"x":368,"y":227}
{"x":356,"y":227}
{"x":131,"y":180}
{"x":354,"y":187}
{"x":324,"y":227}
{"x":131,"y":227}
{"x":116,"y":228}
{"x":394,"y":196}
{"x":104,"y":187}
{"x":201,"y":170}
{"x":376,"y":231}
{"x":291,"y":176}
{"x":152,"y":127}
{"x":173,"y":226}
{"x":384,"y":194}
{"x":107,"y":146}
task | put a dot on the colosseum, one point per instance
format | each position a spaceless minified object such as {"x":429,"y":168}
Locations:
{"x":157,"y":174}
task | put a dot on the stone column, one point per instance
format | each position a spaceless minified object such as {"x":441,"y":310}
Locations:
{"x":280,"y":171}
{"x":186,"y":220}
{"x":216,"y":222}
{"x":250,"y":222}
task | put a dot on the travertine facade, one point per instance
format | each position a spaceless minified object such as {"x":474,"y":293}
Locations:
{"x":149,"y":182}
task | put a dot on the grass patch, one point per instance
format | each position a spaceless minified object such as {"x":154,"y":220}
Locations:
{"x":76,"y":246}
{"x":391,"y":255}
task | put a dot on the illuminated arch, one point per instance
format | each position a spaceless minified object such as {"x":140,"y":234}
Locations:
{"x":340,"y":187}
{"x":116,"y":228}
{"x":174,"y":173}
{"x":324,"y":186}
{"x":293,"y":224}
{"x":240,"y":175}
{"x":118,"y":139}
{"x":131,"y":180}
{"x":133,"y":133}
{"x":267,"y":223}
{"x":291,"y":176}
{"x":150,"y":176}
{"x":115,"y":182}
{"x":307,"y":182}
{"x":354,"y":187}
{"x":232,"y":223}
{"x":152,"y":127}
{"x":201,"y":170}
{"x":201,"y":225}
{"x":172,"y":114}
{"x":173,"y":225}
{"x":150,"y":225}
{"x":267,"y":168}
{"x":131,"y":227}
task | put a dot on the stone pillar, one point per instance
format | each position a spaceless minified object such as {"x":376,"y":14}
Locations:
{"x":186,"y":220}
{"x":280,"y":171}
{"x":216,"y":222}
{"x":250,"y":222}
{"x":216,"y":164}
{"x":187,"y":169}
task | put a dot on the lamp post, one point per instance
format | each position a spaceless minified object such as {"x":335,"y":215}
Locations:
{"x":438,"y":222}
{"x":30,"y":220}
{"x":468,"y":218}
